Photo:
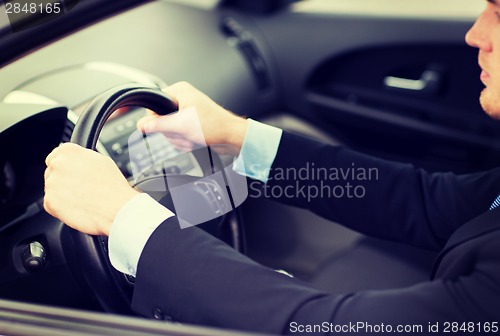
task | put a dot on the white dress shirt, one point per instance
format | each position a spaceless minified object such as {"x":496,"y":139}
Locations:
{"x":139,"y":217}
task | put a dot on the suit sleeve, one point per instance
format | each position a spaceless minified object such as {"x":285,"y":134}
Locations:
{"x":194,"y":278}
{"x":380,"y":198}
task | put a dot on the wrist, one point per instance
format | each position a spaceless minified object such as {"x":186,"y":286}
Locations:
{"x":236,"y":134}
{"x":118,"y":203}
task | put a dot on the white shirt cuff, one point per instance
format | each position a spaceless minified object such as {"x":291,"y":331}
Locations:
{"x":258,"y":151}
{"x":131,"y":229}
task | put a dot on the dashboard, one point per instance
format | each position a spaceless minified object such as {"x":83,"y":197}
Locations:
{"x":28,"y":134}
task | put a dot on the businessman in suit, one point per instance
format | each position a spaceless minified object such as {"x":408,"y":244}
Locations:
{"x":199,"y":279}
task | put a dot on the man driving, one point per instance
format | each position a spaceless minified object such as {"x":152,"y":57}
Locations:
{"x":198,"y":279}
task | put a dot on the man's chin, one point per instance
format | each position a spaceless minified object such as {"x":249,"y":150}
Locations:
{"x":490,"y":104}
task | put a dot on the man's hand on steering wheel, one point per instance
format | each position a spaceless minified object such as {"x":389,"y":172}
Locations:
{"x":218,"y":125}
{"x":84,"y":189}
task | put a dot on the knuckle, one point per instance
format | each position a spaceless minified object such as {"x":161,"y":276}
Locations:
{"x":108,"y":160}
{"x":46,"y":174}
{"x":183,"y":86}
{"x":63,"y":148}
{"x":55,"y":163}
{"x":47,"y":205}
{"x":66,"y":145}
{"x":48,"y":182}
{"x":68,"y":148}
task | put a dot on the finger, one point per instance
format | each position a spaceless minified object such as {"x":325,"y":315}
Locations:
{"x":180,"y":92}
{"x":151,"y":113}
{"x":182,"y":144}
{"x":52,"y":155}
{"x":143,"y":121}
{"x":176,"y":90}
{"x":67,"y":150}
{"x":169,"y":124}
{"x":47,"y":173}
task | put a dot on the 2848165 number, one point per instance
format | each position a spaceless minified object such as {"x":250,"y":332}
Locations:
{"x":470,"y":327}
{"x":33,"y":8}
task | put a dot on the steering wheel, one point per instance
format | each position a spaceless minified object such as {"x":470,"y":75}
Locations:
{"x":112,"y":289}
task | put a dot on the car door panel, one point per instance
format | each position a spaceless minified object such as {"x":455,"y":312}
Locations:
{"x":333,"y":72}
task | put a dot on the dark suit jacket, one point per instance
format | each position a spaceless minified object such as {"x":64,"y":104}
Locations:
{"x":192,"y":277}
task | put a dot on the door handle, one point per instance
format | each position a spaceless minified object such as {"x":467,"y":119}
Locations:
{"x":429,"y":83}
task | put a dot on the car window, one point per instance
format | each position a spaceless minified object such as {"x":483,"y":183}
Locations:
{"x":198,"y":3}
{"x":396,"y":8}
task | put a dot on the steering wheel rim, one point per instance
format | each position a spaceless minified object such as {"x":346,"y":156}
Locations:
{"x":89,"y":125}
{"x":112,"y":289}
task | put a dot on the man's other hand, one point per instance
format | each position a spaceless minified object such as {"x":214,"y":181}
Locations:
{"x":218,"y":125}
{"x":84,"y":189}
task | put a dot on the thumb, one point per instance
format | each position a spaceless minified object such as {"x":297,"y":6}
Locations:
{"x":171,"y":124}
{"x":141,"y":123}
